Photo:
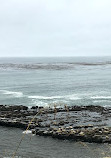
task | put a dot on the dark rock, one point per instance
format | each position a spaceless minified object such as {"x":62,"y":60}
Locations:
{"x":72,"y":125}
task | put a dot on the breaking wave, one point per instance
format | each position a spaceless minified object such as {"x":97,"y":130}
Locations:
{"x":99,"y":101}
{"x":101,"y":97}
{"x":39,"y":103}
{"x":12,"y":93}
{"x":71,"y":97}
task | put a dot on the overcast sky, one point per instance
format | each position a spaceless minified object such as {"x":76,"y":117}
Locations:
{"x":55,"y":27}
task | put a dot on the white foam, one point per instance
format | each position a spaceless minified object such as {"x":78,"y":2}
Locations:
{"x":27,"y":132}
{"x":45,"y":97}
{"x":101,"y":97}
{"x":40,"y":97}
{"x":73,"y":97}
{"x":70,"y":97}
{"x":39,"y":103}
{"x":97,"y":101}
{"x":12,"y":93}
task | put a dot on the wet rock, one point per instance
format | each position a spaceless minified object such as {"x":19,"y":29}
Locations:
{"x":34,"y":107}
{"x":81,"y":134}
{"x":61,"y":123}
{"x":76,"y":127}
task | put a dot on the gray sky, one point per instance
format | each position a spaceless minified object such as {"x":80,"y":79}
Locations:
{"x":55,"y":27}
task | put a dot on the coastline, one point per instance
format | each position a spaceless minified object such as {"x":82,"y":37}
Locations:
{"x":85,"y":123}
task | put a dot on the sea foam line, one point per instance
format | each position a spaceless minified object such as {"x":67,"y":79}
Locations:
{"x":71,"y":97}
{"x":12,"y":93}
{"x":100,"y":101}
{"x":101,"y":97}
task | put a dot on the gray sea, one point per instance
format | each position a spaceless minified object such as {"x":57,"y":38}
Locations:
{"x":48,"y":81}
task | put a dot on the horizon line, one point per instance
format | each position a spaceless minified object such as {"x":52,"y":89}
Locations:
{"x":53,"y":56}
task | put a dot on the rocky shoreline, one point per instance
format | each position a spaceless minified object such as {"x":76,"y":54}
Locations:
{"x":86,"y":123}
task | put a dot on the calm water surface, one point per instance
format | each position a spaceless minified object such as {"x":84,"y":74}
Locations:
{"x":46,"y":147}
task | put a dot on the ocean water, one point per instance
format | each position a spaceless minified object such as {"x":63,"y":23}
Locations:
{"x":47,"y":147}
{"x":48,"y":81}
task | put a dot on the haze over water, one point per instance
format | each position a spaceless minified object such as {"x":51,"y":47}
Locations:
{"x":64,"y":80}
